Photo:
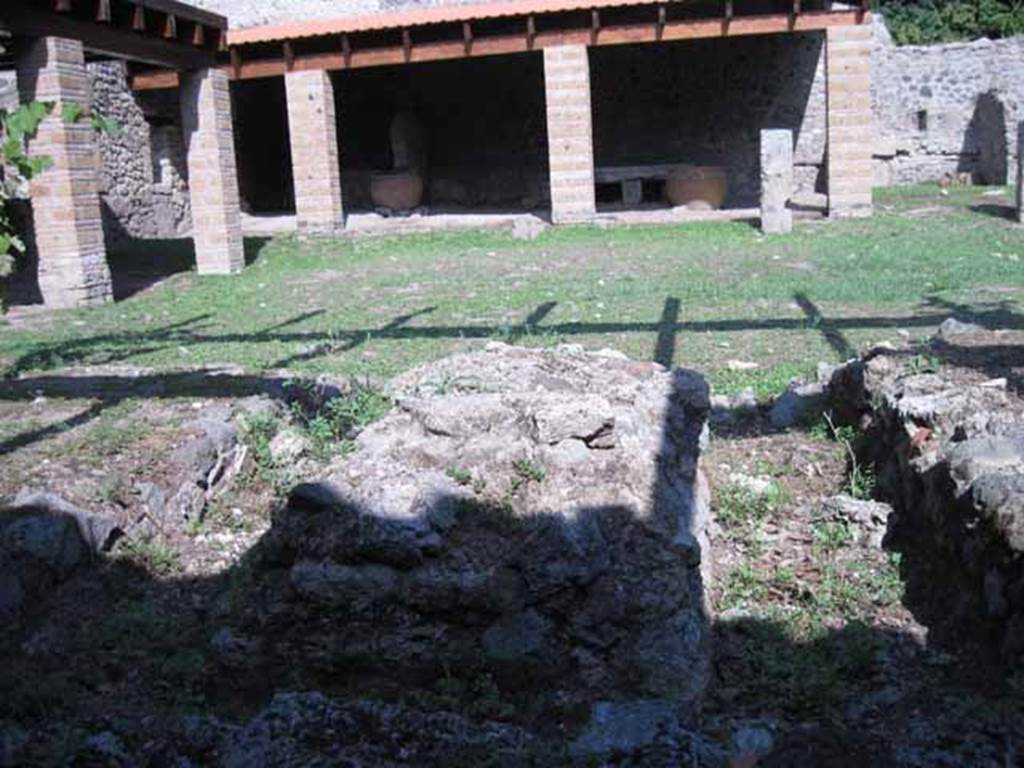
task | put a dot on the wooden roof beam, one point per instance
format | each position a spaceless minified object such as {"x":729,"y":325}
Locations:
{"x":105,"y":38}
{"x":691,"y":29}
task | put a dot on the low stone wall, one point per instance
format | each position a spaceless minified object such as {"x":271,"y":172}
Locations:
{"x":947,"y":446}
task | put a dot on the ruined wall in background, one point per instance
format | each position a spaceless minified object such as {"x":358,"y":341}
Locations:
{"x":142,"y":186}
{"x":946,"y":109}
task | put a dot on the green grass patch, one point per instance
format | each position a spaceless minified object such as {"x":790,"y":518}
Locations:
{"x":697,"y":295}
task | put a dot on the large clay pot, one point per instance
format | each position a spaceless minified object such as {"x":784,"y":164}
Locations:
{"x":699,"y":187}
{"x":396,"y":190}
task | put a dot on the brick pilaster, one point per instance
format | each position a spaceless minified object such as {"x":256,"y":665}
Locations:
{"x":66,"y":218}
{"x":848,"y":71}
{"x":313,"y":134}
{"x":570,"y":133}
{"x":212,"y":179}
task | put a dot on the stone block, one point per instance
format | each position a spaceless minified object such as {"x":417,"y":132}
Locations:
{"x":776,"y":181}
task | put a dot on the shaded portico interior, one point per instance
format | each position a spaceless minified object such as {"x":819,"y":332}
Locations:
{"x":525,"y":107}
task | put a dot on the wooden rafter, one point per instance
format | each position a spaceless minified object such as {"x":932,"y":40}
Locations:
{"x":471,"y":45}
{"x":133,"y":36}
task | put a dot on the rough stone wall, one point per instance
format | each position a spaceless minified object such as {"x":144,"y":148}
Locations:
{"x":142,"y":186}
{"x":946,"y":109}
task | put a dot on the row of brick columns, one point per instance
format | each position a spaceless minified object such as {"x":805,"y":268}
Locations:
{"x":66,"y":207}
{"x":66,"y":218}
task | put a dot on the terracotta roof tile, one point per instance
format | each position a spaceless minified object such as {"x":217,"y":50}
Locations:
{"x":415,"y":18}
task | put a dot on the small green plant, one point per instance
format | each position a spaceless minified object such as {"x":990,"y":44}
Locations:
{"x":153,"y":555}
{"x":332,"y":428}
{"x":529,"y":470}
{"x":860,"y":482}
{"x":460,"y":475}
{"x":259,"y":430}
{"x":920,"y":364}
{"x":831,"y":535}
{"x":743,"y":588}
{"x":740,"y":508}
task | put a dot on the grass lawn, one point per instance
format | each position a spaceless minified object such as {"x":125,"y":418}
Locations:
{"x":699,"y":295}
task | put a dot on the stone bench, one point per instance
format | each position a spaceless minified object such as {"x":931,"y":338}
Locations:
{"x":632,"y":177}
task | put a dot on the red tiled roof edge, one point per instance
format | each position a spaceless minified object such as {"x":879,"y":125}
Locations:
{"x":415,"y":18}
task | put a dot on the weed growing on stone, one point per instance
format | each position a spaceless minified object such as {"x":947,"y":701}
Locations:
{"x":154,"y":555}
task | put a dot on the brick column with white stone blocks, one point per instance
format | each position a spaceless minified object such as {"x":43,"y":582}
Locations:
{"x":570,"y":133}
{"x":848,"y":72}
{"x":314,"y":143}
{"x":212,"y":179}
{"x":66,"y":217}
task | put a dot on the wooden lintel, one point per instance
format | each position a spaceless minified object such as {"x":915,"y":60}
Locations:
{"x":407,"y":44}
{"x":531,"y":32}
{"x":467,"y":37}
{"x":288,"y":51}
{"x":508,"y":44}
{"x":139,"y":19}
{"x":595,"y":25}
{"x":30,"y":19}
{"x":103,"y":11}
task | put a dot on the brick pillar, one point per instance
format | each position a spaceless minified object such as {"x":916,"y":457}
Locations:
{"x":212,"y":178}
{"x":848,"y":68}
{"x":570,"y":135}
{"x":776,"y":181}
{"x":66,"y":218}
{"x":1020,"y":172}
{"x":313,"y":132}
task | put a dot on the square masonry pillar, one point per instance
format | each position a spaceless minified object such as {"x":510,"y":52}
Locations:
{"x":776,"y":181}
{"x":848,"y":87}
{"x":212,"y":178}
{"x":66,"y":217}
{"x":313,"y":135}
{"x":570,"y":133}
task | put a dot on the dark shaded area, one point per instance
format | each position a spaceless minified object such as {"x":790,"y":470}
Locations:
{"x":262,"y":146}
{"x":984,"y":150}
{"x":135,"y":266}
{"x":702,"y":102}
{"x":485,"y":124}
